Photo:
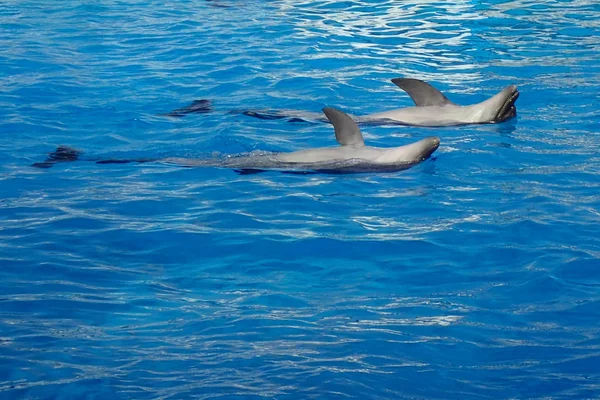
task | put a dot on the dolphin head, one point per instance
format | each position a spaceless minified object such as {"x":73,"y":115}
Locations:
{"x":501,"y":107}
{"x":412,"y":153}
{"x":422,"y":149}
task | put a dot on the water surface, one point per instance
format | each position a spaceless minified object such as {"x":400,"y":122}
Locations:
{"x":473,"y":275}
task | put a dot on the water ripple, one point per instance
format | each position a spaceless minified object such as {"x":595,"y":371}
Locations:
{"x":474,"y":274}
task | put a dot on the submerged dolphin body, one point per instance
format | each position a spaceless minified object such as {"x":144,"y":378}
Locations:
{"x":352,"y":156}
{"x":431,"y":108}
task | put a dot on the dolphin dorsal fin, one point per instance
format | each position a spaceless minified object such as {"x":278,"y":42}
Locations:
{"x":422,"y":93}
{"x":347,"y":132}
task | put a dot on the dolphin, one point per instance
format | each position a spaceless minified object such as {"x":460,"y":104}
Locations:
{"x":431,"y":108}
{"x":352,"y":156}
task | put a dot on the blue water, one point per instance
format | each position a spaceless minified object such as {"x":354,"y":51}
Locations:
{"x":475,"y":274}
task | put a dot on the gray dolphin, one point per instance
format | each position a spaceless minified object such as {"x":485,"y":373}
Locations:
{"x":352,"y":156}
{"x":431,"y":108}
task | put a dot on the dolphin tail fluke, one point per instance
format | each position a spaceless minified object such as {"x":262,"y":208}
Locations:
{"x":69,"y":154}
{"x":197,"y":107}
{"x":61,"y":154}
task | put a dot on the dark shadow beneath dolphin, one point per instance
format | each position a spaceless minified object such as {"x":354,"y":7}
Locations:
{"x":204,"y":106}
{"x":275,"y":115}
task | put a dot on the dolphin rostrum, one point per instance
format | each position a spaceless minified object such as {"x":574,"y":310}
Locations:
{"x":352,"y":156}
{"x":431,"y":108}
